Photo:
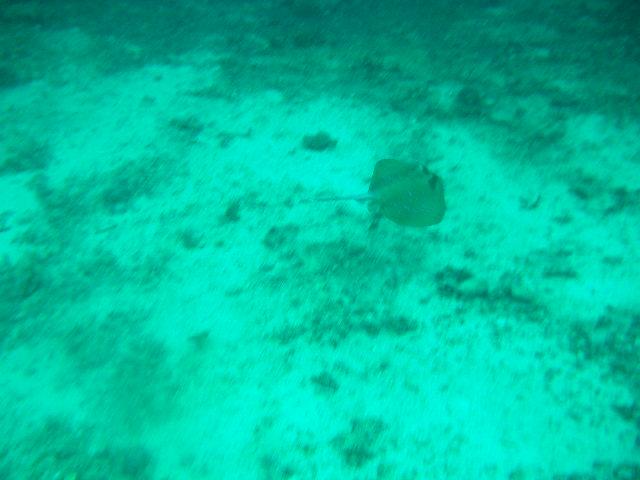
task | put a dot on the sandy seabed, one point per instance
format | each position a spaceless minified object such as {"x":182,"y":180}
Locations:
{"x":175,"y":305}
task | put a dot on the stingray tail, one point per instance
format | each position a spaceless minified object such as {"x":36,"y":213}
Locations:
{"x":365,"y":197}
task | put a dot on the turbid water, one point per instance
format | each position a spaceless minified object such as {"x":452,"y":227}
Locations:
{"x":173,"y":305}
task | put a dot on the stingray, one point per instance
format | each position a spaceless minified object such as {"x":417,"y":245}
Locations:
{"x":406,"y":193}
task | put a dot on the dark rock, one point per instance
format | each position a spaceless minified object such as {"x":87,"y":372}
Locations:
{"x":319,"y":142}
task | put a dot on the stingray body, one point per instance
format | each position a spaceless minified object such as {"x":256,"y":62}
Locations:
{"x":406,"y":193}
